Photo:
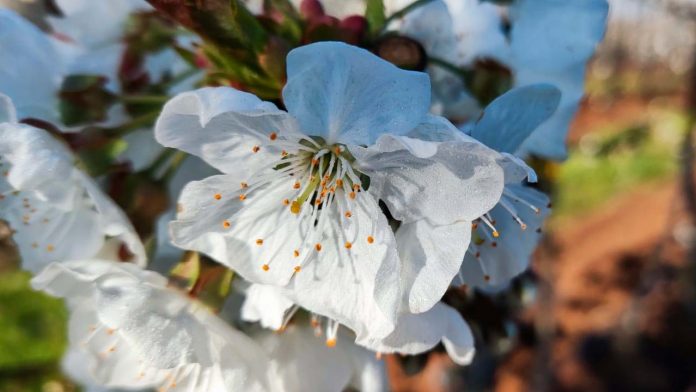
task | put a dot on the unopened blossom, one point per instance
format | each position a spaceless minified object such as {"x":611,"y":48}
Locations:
{"x":549,"y":41}
{"x":505,"y":237}
{"x":138,"y":333}
{"x":297,"y":205}
{"x":55,"y":210}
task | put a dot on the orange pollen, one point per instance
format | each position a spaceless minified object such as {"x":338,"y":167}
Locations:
{"x":351,"y":195}
{"x":286,"y":202}
{"x":296,"y":253}
{"x":370,"y":239}
{"x":242,"y":197}
{"x":298,"y":268}
{"x":297,"y":185}
{"x":255,"y":149}
{"x":496,"y":234}
{"x":339,"y":182}
{"x":348,"y":245}
{"x":317,"y":247}
{"x":295,"y":207}
{"x":331,"y":343}
{"x":356,"y":187}
{"x":318,"y":201}
{"x":265,"y":267}
{"x":218,"y":196}
{"x":273,"y":136}
{"x":226,"y":224}
{"x":244,"y":185}
{"x":259,"y":242}
{"x":283,"y":153}
{"x":348,"y":214}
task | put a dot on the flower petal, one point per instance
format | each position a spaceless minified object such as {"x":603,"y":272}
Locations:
{"x":7,"y":110}
{"x":348,"y":95}
{"x":417,"y":333}
{"x":497,"y":264}
{"x":431,"y":257}
{"x":441,"y":182}
{"x":141,"y":334}
{"x":551,"y":42}
{"x":29,"y":72}
{"x":357,"y":285}
{"x":509,"y":120}
{"x":265,"y":304}
{"x":223,"y":126}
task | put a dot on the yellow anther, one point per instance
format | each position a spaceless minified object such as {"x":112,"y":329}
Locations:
{"x":226,"y":224}
{"x":339,"y":182}
{"x":286,"y":202}
{"x":295,"y":207}
{"x":217,"y":196}
{"x":496,"y":234}
{"x":370,"y":239}
{"x":474,"y":226}
{"x":296,"y":253}
{"x":352,"y":195}
{"x":50,"y":248}
{"x":315,"y":161}
{"x":297,"y":185}
{"x":348,"y":245}
{"x":259,"y":242}
{"x":348,"y":214}
{"x":298,"y":268}
{"x":523,"y":226}
{"x":244,"y":185}
{"x":242,"y":197}
{"x":255,"y":149}
{"x":265,"y":267}
{"x":317,"y":247}
{"x":356,"y":187}
{"x":273,"y":136}
{"x":331,"y":343}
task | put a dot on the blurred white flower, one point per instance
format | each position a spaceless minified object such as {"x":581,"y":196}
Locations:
{"x":550,"y":41}
{"x":56,"y":211}
{"x":138,"y":333}
{"x":294,"y":194}
{"x":506,"y":236}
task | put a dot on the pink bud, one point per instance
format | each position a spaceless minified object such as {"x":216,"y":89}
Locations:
{"x":311,"y":9}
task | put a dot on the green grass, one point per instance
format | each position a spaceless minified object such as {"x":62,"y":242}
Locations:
{"x":609,"y":162}
{"x":32,"y":336}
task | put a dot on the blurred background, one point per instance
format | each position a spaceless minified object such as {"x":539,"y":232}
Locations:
{"x":609,"y":303}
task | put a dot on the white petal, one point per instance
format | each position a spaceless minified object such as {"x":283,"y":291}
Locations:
{"x":441,"y":182}
{"x":431,"y":257}
{"x":141,"y":334}
{"x":222,"y":126}
{"x":29,"y":71}
{"x":417,"y":333}
{"x":348,"y":95}
{"x":301,"y":361}
{"x":551,"y":42}
{"x":201,"y":226}
{"x":359,"y":287}
{"x":57,"y":211}
{"x":509,"y":120}
{"x":7,"y":109}
{"x":265,"y":304}
{"x":513,"y":249}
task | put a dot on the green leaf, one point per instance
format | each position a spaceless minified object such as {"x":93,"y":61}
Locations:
{"x":374,"y":14}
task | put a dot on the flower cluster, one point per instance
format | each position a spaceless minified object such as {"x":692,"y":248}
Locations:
{"x":339,"y":191}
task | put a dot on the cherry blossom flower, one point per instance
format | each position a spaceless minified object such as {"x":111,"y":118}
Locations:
{"x":56,"y":211}
{"x":297,"y":205}
{"x":137,"y":333}
{"x":549,"y":41}
{"x":505,"y":237}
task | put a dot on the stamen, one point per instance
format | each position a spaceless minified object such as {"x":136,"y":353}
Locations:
{"x":244,"y":185}
{"x":265,"y":267}
{"x":348,"y":245}
{"x":348,"y":214}
{"x":296,"y":253}
{"x":255,"y":149}
{"x":259,"y":242}
{"x":273,"y":136}
{"x":318,"y":247}
{"x":370,"y":239}
{"x":242,"y":197}
{"x":218,"y":196}
{"x":226,"y":224}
